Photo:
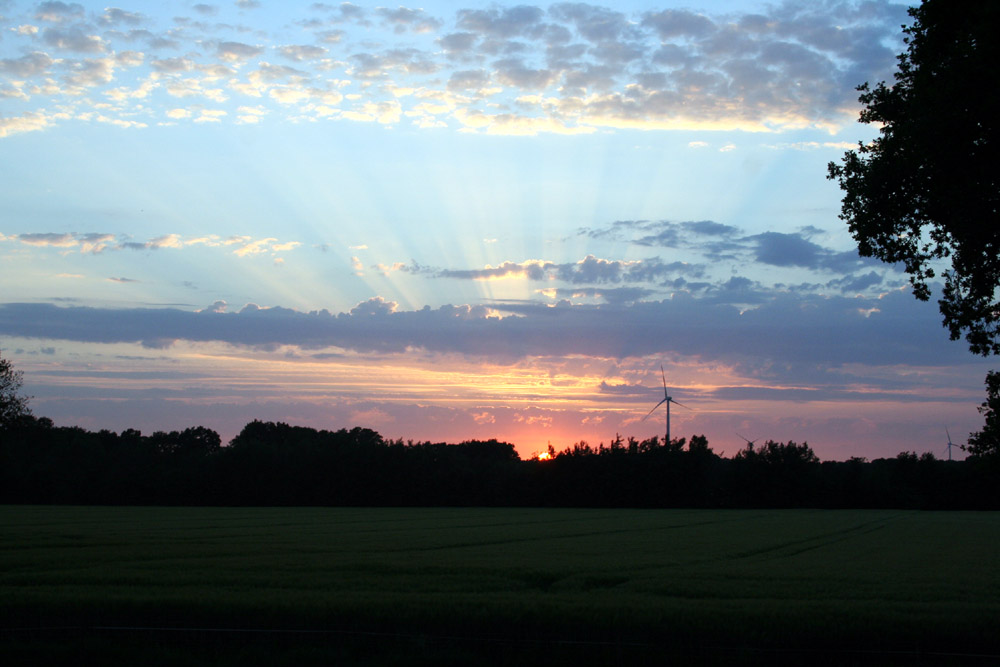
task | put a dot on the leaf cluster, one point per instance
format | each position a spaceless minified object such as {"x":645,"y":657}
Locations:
{"x":926,"y":190}
{"x":13,"y":404}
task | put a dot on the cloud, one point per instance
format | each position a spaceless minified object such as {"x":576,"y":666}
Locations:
{"x":403,"y":19}
{"x":28,"y":65}
{"x":589,"y":270}
{"x":113,"y":16}
{"x":59,"y":12}
{"x":671,"y":24}
{"x":625,"y":389}
{"x":614,"y":295}
{"x":568,"y":68}
{"x":237,"y":52}
{"x":88,"y":243}
{"x":172,"y":65}
{"x":786,"y":335}
{"x":530,"y":269}
{"x":95,"y":243}
{"x":72,"y":39}
{"x":781,"y":249}
{"x":501,"y":23}
{"x":484,"y":418}
{"x":302,"y":52}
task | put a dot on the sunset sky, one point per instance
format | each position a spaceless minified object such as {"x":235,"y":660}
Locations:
{"x":459,"y":221}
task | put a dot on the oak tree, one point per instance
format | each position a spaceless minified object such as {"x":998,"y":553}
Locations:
{"x":925,"y":192}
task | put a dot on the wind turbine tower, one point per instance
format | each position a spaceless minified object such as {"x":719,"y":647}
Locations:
{"x":668,"y":399}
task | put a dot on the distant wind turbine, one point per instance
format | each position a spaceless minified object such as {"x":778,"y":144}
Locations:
{"x":668,"y":399}
{"x":749,"y":441}
{"x":950,"y":445}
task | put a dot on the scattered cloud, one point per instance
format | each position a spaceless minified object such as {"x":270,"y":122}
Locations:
{"x":519,"y":70}
{"x":95,"y":243}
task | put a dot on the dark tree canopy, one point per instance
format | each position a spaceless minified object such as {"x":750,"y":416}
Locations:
{"x":926,"y":190}
{"x":13,"y":405}
{"x":987,"y":441}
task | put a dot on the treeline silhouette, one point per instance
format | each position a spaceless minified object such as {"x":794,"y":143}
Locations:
{"x":278,"y":464}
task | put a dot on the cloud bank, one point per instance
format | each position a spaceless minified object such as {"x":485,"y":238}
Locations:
{"x":525,"y":69}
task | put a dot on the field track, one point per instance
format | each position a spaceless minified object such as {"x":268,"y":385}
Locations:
{"x":448,"y":581}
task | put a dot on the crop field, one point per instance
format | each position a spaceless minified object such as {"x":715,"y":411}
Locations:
{"x":300,"y":585}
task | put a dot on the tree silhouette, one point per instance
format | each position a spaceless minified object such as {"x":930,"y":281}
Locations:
{"x":927,"y":188}
{"x":13,"y":405}
{"x":987,"y":441}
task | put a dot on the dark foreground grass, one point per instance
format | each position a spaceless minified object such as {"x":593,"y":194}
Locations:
{"x":508,"y":586}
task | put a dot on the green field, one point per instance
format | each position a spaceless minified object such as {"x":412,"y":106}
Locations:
{"x":500,"y":581}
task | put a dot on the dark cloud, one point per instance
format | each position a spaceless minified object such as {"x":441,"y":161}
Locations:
{"x":237,"y":51}
{"x":172,"y":65}
{"x":113,"y":16}
{"x":668,"y":236}
{"x":279,"y":73}
{"x":626,"y":389}
{"x":377,"y":66}
{"x":513,"y":72}
{"x":47,"y":238}
{"x":710,"y":228}
{"x":403,"y":19}
{"x":794,"y":250}
{"x":779,"y":337}
{"x":596,"y":24}
{"x":666,"y":233}
{"x":501,"y":23}
{"x":589,"y":270}
{"x":32,"y":64}
{"x":342,"y":13}
{"x":458,"y":43}
{"x":595,"y":270}
{"x":717,"y":242}
{"x":58,"y":12}
{"x":856,"y":283}
{"x":820,"y":393}
{"x":780,"y":249}
{"x":72,"y":39}
{"x":468,"y":80}
{"x":673,"y":23}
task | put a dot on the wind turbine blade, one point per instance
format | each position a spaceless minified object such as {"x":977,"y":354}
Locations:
{"x":948,"y":434}
{"x":680,"y":404}
{"x":664,"y":377}
{"x":654,"y":409}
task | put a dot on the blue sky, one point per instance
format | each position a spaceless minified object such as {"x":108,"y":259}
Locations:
{"x":456,"y":221}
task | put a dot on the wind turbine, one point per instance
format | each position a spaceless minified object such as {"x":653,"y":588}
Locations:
{"x":749,"y":441}
{"x":950,"y":445}
{"x":668,"y":399}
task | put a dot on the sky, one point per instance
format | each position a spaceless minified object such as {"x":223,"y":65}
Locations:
{"x":460,"y":221}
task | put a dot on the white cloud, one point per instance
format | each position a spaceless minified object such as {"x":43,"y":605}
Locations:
{"x":210,"y":116}
{"x":26,"y":122}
